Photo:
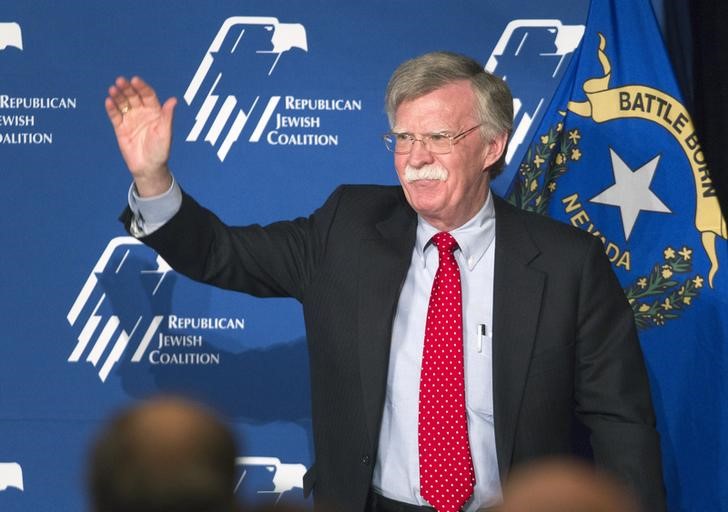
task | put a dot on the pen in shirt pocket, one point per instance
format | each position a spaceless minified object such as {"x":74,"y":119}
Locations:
{"x":482,"y":336}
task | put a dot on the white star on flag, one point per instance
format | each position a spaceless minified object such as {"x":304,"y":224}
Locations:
{"x":631,"y":191}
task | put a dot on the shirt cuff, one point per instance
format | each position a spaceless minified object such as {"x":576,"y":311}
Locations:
{"x":151,"y":213}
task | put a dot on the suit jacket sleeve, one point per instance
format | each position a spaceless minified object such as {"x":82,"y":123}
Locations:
{"x":612,"y":393}
{"x":277,"y":260}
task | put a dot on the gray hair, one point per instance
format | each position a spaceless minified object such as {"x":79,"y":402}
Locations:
{"x":422,"y":75}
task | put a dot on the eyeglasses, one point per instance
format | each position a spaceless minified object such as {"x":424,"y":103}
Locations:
{"x":438,"y":143}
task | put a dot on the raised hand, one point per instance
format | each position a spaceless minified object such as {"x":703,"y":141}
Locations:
{"x":143,"y":130}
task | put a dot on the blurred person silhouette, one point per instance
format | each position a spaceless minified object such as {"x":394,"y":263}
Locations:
{"x":282,"y":507}
{"x":565,"y":485}
{"x":292,"y":506}
{"x":167,"y":454}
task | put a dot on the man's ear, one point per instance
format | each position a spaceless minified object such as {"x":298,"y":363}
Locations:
{"x":494,"y":150}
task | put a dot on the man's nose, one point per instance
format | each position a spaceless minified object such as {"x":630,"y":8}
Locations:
{"x":420,"y":155}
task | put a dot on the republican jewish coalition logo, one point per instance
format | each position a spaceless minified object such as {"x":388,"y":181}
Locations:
{"x":245,"y":88}
{"x":268,"y":476}
{"x":11,"y":475}
{"x":529,"y":47}
{"x":10,"y":35}
{"x":124,"y":311}
{"x":252,"y":46}
{"x":118,"y":305}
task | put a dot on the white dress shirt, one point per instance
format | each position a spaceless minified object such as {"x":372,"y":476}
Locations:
{"x":396,"y":472}
{"x":151,"y":213}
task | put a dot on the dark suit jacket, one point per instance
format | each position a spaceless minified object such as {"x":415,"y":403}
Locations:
{"x":564,"y":341}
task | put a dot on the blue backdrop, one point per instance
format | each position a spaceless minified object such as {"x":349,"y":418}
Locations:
{"x":279,"y":103}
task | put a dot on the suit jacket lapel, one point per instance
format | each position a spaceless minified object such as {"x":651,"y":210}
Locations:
{"x":518,"y":290}
{"x":383,"y":263}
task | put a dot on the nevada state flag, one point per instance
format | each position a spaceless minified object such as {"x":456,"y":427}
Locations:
{"x":617,"y":155}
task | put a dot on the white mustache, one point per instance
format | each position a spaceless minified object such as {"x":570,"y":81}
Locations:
{"x":426,"y":172}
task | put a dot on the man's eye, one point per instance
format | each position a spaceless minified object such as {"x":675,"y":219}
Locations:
{"x":403,"y":137}
{"x":438,"y":137}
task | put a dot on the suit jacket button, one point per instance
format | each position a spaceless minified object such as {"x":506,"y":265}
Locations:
{"x":365,"y":460}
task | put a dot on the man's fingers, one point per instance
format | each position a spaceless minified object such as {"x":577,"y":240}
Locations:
{"x":117,"y":95}
{"x":113,"y":112}
{"x":168,"y":109}
{"x":146,"y":93}
{"x":132,"y":96}
{"x":135,"y":95}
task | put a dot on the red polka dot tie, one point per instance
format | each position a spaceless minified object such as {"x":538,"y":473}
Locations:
{"x":447,"y":477}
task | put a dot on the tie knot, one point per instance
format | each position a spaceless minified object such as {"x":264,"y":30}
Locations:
{"x":445,"y":242}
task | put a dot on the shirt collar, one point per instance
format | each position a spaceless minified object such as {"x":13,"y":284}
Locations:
{"x":473,"y":238}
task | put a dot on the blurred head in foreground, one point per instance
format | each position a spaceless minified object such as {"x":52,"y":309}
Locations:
{"x":164,"y":455}
{"x":565,"y":485}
